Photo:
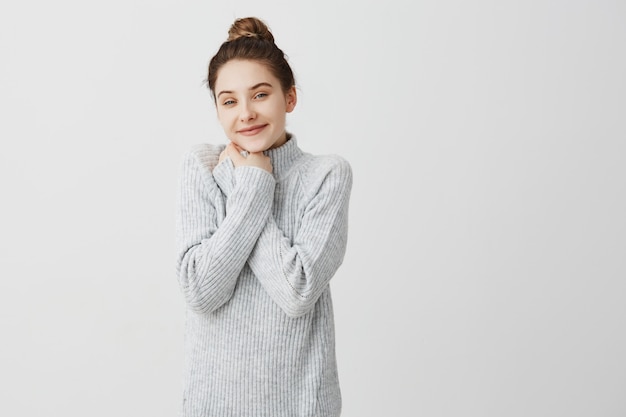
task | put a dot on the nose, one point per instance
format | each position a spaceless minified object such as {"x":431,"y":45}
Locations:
{"x":247,"y":112}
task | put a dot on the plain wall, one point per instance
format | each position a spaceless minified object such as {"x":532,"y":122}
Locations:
{"x":486,"y":268}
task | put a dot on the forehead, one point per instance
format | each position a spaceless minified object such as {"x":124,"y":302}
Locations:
{"x":239,"y":74}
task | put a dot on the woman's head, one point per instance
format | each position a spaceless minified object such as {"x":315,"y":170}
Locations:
{"x":253,"y":87}
{"x":250,"y":39}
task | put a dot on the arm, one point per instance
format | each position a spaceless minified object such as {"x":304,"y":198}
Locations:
{"x":296,"y":274}
{"x":212,"y":253}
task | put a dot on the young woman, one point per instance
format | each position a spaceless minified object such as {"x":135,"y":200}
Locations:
{"x":262,"y":228}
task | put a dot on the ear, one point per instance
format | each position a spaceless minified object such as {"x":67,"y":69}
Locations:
{"x":292,"y":98}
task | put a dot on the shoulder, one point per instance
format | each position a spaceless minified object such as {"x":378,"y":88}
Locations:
{"x":317,"y":166}
{"x":196,"y":168}
{"x":325,"y":171}
{"x":205,"y":155}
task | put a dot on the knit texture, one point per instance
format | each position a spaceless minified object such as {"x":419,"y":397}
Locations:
{"x":256,"y":254}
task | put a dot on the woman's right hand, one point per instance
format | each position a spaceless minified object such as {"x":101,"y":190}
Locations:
{"x":255,"y":159}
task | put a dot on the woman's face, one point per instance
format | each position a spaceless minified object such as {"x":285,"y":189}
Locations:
{"x":251,"y":106}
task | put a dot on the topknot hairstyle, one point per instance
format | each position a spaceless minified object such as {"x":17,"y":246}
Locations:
{"x":249,"y":27}
{"x":249,"y":38}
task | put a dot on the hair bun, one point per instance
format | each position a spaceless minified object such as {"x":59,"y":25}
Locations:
{"x":249,"y":27}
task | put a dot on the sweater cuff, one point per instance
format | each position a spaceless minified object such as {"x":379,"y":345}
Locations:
{"x":254,"y":188}
{"x":262,"y":180}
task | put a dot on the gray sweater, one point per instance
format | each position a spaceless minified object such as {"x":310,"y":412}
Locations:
{"x":256,"y":252}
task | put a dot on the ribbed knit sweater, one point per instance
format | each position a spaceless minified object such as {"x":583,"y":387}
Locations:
{"x":256,"y":253}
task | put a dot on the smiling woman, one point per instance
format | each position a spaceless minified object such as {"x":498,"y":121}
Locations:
{"x":262,"y":228}
{"x":251,"y":105}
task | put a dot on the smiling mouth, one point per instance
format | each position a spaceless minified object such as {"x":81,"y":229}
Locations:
{"x":252,"y":130}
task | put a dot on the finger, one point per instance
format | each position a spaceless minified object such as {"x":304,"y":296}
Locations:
{"x":242,"y":152}
{"x":234,"y":152}
{"x":230,"y":150}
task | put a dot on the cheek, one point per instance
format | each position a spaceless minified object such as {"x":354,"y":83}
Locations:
{"x":281,"y":117}
{"x":224,"y":118}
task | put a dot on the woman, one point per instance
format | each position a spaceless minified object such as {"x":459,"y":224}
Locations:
{"x":262,"y":228}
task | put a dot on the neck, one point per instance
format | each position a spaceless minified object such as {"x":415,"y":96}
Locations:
{"x":282,"y":157}
{"x":280,"y":142}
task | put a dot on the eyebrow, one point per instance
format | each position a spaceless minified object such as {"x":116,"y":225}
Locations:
{"x":254,"y":87}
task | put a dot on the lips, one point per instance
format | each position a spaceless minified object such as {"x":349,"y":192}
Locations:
{"x":252,"y":130}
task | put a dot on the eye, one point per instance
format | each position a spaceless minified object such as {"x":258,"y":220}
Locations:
{"x":229,"y":102}
{"x":260,"y":95}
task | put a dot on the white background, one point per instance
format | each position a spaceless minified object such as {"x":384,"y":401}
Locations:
{"x":486,"y":267}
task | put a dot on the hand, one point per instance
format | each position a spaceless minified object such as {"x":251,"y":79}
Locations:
{"x":223,"y":155}
{"x":255,"y":159}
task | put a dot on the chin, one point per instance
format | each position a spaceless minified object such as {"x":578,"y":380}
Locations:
{"x":256,"y":148}
{"x":253,"y":145}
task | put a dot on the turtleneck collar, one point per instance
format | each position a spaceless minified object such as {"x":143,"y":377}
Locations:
{"x":284,"y":156}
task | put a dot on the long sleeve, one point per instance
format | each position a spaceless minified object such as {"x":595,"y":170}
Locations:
{"x":296,"y":273}
{"x":215,"y":239}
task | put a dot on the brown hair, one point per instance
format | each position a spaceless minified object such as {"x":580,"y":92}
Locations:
{"x":250,"y":39}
